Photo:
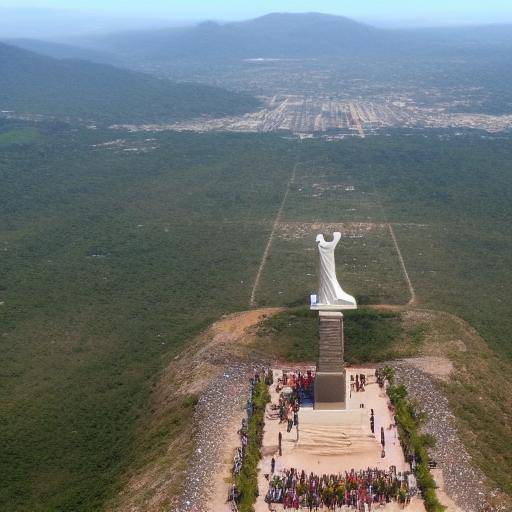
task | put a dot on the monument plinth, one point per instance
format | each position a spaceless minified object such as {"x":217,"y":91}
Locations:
{"x":330,"y":381}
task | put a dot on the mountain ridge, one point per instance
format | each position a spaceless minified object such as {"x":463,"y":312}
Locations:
{"x":59,"y":50}
{"x":274,"y":34}
{"x":292,"y":35}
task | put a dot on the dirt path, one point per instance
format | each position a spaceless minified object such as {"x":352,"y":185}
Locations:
{"x":277,"y":220}
{"x":412,"y":300}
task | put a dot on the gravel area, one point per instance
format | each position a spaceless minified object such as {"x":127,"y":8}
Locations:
{"x":217,"y":406}
{"x":463,"y":483}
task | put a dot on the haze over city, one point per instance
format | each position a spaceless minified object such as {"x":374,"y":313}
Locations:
{"x":55,"y":18}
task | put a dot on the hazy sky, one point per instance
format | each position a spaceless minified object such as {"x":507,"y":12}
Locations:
{"x":439,"y":11}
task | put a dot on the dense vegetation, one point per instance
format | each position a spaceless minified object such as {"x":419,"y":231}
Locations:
{"x":62,"y":51}
{"x":247,"y":480}
{"x":34,"y":84}
{"x":448,"y":198}
{"x":115,"y":255}
{"x":112,"y":260}
{"x":370,"y":336}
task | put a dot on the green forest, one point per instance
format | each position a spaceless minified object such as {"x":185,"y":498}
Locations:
{"x":117,"y":250}
{"x":98,"y":93}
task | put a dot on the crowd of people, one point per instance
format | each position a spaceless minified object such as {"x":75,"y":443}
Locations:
{"x":295,"y":389}
{"x":299,"y":381}
{"x":359,"y":490}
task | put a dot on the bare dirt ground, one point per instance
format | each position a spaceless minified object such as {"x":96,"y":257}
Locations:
{"x":298,"y":230}
{"x":221,"y":479}
{"x":435,"y":366}
{"x":464,"y":485}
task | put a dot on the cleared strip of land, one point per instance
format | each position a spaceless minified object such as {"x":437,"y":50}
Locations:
{"x":252,"y":301}
{"x":412,"y":300}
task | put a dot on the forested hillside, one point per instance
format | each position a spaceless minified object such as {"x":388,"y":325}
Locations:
{"x":34,"y":84}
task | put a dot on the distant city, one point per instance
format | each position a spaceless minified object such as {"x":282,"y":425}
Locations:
{"x":336,"y":118}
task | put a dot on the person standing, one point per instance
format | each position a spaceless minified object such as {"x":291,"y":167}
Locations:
{"x":280,"y":440}
{"x":289,"y":417}
{"x":272,"y":465}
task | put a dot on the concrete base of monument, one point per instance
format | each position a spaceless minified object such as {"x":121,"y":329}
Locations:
{"x":330,"y":391}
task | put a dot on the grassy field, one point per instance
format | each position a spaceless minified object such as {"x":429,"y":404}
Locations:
{"x":118,"y":248}
{"x":371,"y":336}
{"x":19,"y":136}
{"x":366,"y":259}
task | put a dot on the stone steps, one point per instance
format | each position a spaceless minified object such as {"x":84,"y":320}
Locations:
{"x":331,"y":346}
{"x":333,"y":440}
{"x":334,"y":351}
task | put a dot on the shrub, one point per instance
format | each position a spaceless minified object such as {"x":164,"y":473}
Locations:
{"x":247,"y":480}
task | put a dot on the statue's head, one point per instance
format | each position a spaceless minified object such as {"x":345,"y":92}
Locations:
{"x":336,"y":236}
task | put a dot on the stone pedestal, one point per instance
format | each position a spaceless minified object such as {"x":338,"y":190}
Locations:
{"x":330,"y":390}
{"x":330,"y":387}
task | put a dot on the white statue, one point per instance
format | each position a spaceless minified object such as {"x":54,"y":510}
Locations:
{"x":330,"y":294}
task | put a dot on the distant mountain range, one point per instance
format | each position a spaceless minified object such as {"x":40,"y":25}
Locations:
{"x":42,"y":77}
{"x":273,"y":35}
{"x":35,"y":84}
{"x":282,"y":35}
{"x":277,"y":35}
